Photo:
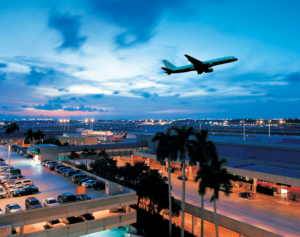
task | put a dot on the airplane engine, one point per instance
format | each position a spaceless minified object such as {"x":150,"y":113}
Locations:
{"x":208,"y":70}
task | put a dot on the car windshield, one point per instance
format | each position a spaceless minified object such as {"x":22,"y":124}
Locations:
{"x":15,"y":207}
{"x":35,"y":202}
{"x":71,"y":198}
{"x":13,"y":182}
{"x":52,"y":201}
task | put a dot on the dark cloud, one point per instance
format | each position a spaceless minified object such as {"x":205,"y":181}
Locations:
{"x":293,"y":78}
{"x":184,"y":102}
{"x":81,"y":108}
{"x":2,"y":77}
{"x":68,"y":26}
{"x":58,"y":101}
{"x":97,"y":96}
{"x":48,"y":107}
{"x":137,"y":18}
{"x":116,"y":92}
{"x":73,"y":98}
{"x":24,"y":106}
{"x":34,"y":77}
{"x":141,"y":93}
{"x":2,"y":65}
{"x":82,"y":99}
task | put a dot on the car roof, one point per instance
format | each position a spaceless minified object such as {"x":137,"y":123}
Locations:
{"x":13,"y":204}
{"x":32,"y":198}
{"x":67,"y":194}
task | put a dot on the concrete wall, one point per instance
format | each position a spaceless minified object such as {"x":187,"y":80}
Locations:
{"x":229,"y":223}
{"x":49,"y":152}
{"x":147,"y":139}
{"x":87,"y":227}
{"x":66,"y":210}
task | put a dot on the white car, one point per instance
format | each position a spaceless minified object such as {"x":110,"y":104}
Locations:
{"x":12,"y":208}
{"x":50,"y":202}
{"x":17,"y":188}
{"x":88,"y":184}
{"x":2,"y":193}
{"x":1,"y":212}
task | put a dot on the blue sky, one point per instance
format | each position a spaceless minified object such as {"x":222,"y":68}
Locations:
{"x":102,"y":59}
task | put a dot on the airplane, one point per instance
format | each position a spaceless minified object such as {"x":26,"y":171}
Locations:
{"x":120,"y":136}
{"x":196,"y":65}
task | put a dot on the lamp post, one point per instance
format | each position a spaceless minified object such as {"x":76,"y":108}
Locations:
{"x":68,"y":121}
{"x":92,"y":125}
{"x":60,"y":120}
{"x":8,"y":171}
{"x":244,"y":131}
{"x":269,"y":127}
{"x":65,"y":123}
{"x":86,"y":122}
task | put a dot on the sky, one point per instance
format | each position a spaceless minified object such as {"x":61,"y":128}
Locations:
{"x":102,"y":59}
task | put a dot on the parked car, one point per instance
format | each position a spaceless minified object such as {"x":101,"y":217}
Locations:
{"x":49,"y":163}
{"x":158,"y":170}
{"x":99,"y":185}
{"x":14,"y":183}
{"x":12,"y":208}
{"x":76,"y":177}
{"x":2,"y":193}
{"x":247,"y":195}
{"x":17,"y":188}
{"x":180,"y":177}
{"x":12,"y":177}
{"x":65,"y":171}
{"x":88,"y":216}
{"x":44,"y":162}
{"x":55,"y":223}
{"x":4,"y":168}
{"x":58,"y":167}
{"x":86,"y":179}
{"x":32,"y":203}
{"x":22,"y":151}
{"x":83,"y":197}
{"x":28,"y":155}
{"x":25,"y":191}
{"x":1,"y":212}
{"x":72,"y":220}
{"x":66,"y":198}
{"x":71,"y":172}
{"x":50,"y":202}
{"x":1,"y":159}
{"x":89,"y":183}
{"x":53,"y":165}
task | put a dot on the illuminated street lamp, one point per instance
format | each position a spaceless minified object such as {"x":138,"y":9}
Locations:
{"x":68,"y":121}
{"x":86,"y":122}
{"x":65,"y":123}
{"x":92,"y":121}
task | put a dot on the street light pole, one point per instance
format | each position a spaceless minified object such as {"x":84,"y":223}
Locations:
{"x":8,"y":171}
{"x":244,"y":131}
{"x":269,"y":127}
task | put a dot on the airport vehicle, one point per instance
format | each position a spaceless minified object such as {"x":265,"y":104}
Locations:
{"x":66,"y":198}
{"x":54,"y":223}
{"x":12,"y":208}
{"x":197,"y":65}
{"x":247,"y":195}
{"x":88,"y":216}
{"x":83,"y":197}
{"x":25,"y":191}
{"x":181,"y":176}
{"x":50,"y":202}
{"x":2,"y":193}
{"x":32,"y":203}
{"x":89,"y":183}
{"x":72,"y":220}
{"x":99,"y":185}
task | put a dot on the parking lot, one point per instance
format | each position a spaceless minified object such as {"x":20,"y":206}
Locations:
{"x":49,"y":183}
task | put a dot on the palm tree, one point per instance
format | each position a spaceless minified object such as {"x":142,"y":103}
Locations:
{"x":203,"y":148}
{"x":39,"y":135}
{"x":8,"y":130}
{"x":86,"y":153}
{"x":214,"y":176}
{"x":103,"y":154}
{"x":14,"y":128}
{"x":73,"y":156}
{"x":29,"y":135}
{"x":163,"y":151}
{"x":183,"y":145}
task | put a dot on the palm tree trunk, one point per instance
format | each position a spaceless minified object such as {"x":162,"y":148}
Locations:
{"x":202,"y":215}
{"x":216,"y":218}
{"x":170,"y":198}
{"x":14,"y":138}
{"x":183,"y":199}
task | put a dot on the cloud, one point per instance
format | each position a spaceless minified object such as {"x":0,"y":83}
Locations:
{"x":138,"y":19}
{"x":293,"y":78}
{"x":97,"y":96}
{"x":2,"y":77}
{"x":58,"y":101}
{"x":82,"y":99}
{"x":2,"y":65}
{"x":141,"y":93}
{"x":211,"y":90}
{"x":62,"y":89}
{"x":81,"y":108}
{"x":34,"y":77}
{"x":68,"y":26}
{"x":48,"y":107}
{"x":24,"y":106}
{"x":4,"y":107}
{"x":184,"y":103}
{"x":116,"y":92}
{"x":73,"y":98}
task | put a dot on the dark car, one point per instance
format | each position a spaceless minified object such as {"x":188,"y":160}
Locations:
{"x":88,"y":216}
{"x":53,"y":165}
{"x":85,"y":179}
{"x":1,"y":159}
{"x":44,"y":162}
{"x":32,"y":203}
{"x":64,"y":173}
{"x":28,"y":155}
{"x":180,"y":177}
{"x":66,"y":198}
{"x":25,"y":191}
{"x":59,"y":166}
{"x":247,"y":195}
{"x":71,"y":172}
{"x":99,"y":185}
{"x":83,"y":197}
{"x":60,"y":171}
{"x":72,"y":220}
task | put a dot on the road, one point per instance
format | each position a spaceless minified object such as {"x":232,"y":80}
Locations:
{"x":263,"y":212}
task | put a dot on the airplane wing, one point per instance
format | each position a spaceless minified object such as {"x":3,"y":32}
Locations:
{"x":197,"y":63}
{"x":167,"y":70}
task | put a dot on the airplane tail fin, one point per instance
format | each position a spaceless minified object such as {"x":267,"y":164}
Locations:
{"x":169,"y":65}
